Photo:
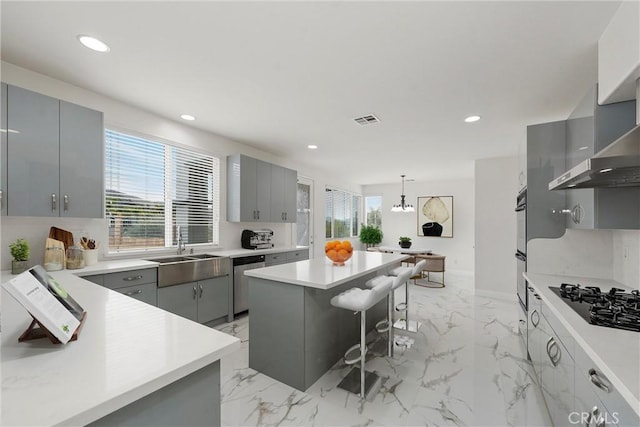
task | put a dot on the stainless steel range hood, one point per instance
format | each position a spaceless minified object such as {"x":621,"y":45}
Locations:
{"x":617,"y":165}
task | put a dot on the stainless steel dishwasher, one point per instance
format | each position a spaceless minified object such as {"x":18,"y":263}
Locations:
{"x":241,"y":282}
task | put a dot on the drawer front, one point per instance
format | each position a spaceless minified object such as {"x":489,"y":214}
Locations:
{"x":98,"y":279}
{"x":146,"y":293}
{"x":129,"y":278}
{"x":275,"y":259}
{"x":297,"y":255}
{"x":564,"y":336}
{"x":605,"y":391}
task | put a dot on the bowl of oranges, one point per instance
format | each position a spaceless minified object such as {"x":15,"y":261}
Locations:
{"x":338,"y":251}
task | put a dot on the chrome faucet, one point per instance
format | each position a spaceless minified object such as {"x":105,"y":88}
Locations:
{"x":181,"y":245}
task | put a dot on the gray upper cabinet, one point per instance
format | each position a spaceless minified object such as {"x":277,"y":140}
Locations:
{"x":33,"y":149}
{"x":55,"y":157}
{"x":545,"y":160}
{"x":258,"y":191}
{"x":3,"y":151}
{"x":248,"y":189}
{"x":590,"y":128}
{"x":284,"y":187}
{"x":81,"y":161}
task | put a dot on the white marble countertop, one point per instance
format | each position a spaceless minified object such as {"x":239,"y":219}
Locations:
{"x":320,"y":272}
{"x":616,"y":352}
{"x":125,"y":350}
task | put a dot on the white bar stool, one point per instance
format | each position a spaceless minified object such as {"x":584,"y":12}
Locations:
{"x":387,"y":324}
{"x":360,"y":300}
{"x":413,"y":273}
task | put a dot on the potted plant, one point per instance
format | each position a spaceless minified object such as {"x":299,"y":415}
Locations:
{"x":405,"y":242}
{"x":20,"y":253}
{"x":370,"y":235}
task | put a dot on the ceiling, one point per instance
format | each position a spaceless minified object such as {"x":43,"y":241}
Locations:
{"x":282,"y":75}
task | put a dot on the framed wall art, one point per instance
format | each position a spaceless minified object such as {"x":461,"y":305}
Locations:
{"x":435,"y":216}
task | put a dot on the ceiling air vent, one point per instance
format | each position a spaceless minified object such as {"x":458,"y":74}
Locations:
{"x":366,"y":120}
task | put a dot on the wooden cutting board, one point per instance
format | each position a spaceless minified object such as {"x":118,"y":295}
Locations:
{"x":64,"y":236}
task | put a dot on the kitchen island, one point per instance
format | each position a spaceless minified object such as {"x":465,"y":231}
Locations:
{"x":132,"y":364}
{"x":296,"y":335}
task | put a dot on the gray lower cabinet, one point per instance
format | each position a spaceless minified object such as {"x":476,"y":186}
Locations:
{"x":201,"y":301}
{"x":3,"y":150}
{"x":55,"y":157}
{"x":139,"y":284}
{"x":285,"y":257}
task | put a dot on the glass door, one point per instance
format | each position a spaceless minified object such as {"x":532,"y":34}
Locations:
{"x":304,"y":222}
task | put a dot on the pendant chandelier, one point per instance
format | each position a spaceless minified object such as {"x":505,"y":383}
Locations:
{"x":403,"y":207}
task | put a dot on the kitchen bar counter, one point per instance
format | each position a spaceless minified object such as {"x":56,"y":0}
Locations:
{"x":296,"y":335}
{"x":616,"y":352}
{"x":129,"y":355}
{"x":320,"y":272}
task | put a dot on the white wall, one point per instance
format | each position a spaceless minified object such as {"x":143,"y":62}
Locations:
{"x":125,"y":116}
{"x":589,"y":253}
{"x":459,"y":249}
{"x":495,"y":225}
{"x":626,"y":257}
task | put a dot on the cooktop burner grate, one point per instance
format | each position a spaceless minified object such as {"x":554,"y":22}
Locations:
{"x":615,"y":308}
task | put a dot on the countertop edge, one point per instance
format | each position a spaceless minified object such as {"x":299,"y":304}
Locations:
{"x":120,"y":401}
{"x":544,"y":292}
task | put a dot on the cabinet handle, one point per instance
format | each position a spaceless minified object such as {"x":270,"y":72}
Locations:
{"x":195,"y":293}
{"x":131,"y":293}
{"x":254,"y":215}
{"x":554,"y":358}
{"x":596,"y":418}
{"x":200,"y":286}
{"x":65,"y":201}
{"x":54,"y":203}
{"x":577,"y":214}
{"x":1,"y":198}
{"x":595,"y":379}
{"x":131,"y":278}
{"x":257,"y":214}
{"x":535,"y":323}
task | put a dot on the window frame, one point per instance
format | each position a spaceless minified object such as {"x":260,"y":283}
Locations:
{"x":357,"y":212}
{"x":366,"y":211}
{"x":168,"y":239}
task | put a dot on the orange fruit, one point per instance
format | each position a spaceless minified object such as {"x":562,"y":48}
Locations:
{"x":343,"y":254}
{"x":332,"y":254}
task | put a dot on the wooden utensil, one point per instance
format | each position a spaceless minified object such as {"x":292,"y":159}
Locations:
{"x":64,"y":236}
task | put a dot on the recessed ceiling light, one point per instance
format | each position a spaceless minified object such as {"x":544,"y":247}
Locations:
{"x":312,"y":147}
{"x":93,"y":43}
{"x":187,"y":117}
{"x":571,"y":185}
{"x":583,"y":148}
{"x":472,"y":119}
{"x":606,"y":170}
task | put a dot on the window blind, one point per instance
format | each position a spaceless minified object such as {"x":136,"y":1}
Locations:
{"x":152,"y":188}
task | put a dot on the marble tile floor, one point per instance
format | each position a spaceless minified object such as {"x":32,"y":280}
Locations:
{"x":466,"y":367}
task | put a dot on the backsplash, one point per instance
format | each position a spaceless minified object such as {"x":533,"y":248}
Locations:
{"x":36,"y":230}
{"x":589,"y":253}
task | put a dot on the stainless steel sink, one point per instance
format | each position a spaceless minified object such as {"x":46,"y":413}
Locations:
{"x":184,"y":269}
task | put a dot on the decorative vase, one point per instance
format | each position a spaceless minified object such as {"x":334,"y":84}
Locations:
{"x":18,"y":267}
{"x":405,"y":245}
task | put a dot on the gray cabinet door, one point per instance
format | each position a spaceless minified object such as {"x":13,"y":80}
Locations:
{"x":248,"y":189}
{"x":180,"y":299}
{"x":213,"y":299}
{"x":545,"y":161}
{"x":290,"y":189}
{"x":33,"y":172}
{"x":263,"y":191}
{"x":3,"y":151}
{"x":277,"y":194}
{"x":81,"y":162}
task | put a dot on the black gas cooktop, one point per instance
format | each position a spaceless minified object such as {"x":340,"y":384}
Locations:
{"x":614,"y":308}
